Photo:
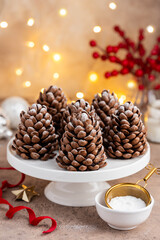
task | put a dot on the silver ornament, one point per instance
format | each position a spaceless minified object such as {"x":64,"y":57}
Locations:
{"x":5,"y":132}
{"x":12,"y":107}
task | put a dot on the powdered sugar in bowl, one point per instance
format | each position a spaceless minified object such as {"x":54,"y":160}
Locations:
{"x":122,"y":219}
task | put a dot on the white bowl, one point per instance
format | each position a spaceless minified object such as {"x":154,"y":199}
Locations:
{"x":121,"y":220}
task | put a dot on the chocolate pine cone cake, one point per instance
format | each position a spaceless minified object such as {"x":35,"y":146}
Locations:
{"x":81,"y":146}
{"x":74,"y":107}
{"x":105,"y":105}
{"x":35,"y":138}
{"x":55,"y":101}
{"x":125,"y":137}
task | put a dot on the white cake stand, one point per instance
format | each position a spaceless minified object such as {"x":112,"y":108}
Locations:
{"x":76,"y":188}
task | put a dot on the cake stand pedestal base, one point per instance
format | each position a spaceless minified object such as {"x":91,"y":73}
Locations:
{"x":74,"y":194}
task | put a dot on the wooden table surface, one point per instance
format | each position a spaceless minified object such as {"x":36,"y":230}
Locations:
{"x":73,"y":222}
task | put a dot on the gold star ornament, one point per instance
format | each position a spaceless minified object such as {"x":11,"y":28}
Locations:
{"x":25,"y":193}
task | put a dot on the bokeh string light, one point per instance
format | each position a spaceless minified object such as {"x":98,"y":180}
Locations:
{"x":45,"y":48}
{"x":79,"y":95}
{"x":131,"y":84}
{"x":19,"y":71}
{"x":62,"y":12}
{"x":150,"y":29}
{"x":122,"y":99}
{"x":30,"y":44}
{"x":3,"y":24}
{"x":56,"y":57}
{"x":112,"y":5}
{"x":30,"y":22}
{"x":93,"y":77}
{"x":55,"y":75}
{"x":27,"y":84}
{"x":42,"y":90}
{"x":97,"y":29}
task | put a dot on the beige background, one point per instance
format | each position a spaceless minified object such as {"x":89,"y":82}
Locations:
{"x":68,"y":36}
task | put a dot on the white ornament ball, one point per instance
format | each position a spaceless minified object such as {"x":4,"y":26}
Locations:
{"x":12,"y":107}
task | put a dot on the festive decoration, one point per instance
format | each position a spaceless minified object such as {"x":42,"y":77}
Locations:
{"x":12,"y":107}
{"x":125,"y":137}
{"x":105,"y":105}
{"x":4,"y":126}
{"x":25,"y":193}
{"x":81,"y":147}
{"x":135,"y":61}
{"x":36,"y":136}
{"x":56,"y":102}
{"x":33,"y":220}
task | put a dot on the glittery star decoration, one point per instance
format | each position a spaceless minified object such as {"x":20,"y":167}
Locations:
{"x":25,"y":193}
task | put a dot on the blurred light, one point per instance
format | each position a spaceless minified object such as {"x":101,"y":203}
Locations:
{"x":27,"y":84}
{"x":42,"y":90}
{"x":62,"y":12}
{"x":79,"y":95}
{"x":19,"y":71}
{"x":150,"y":29}
{"x":45,"y":48}
{"x":30,"y":44}
{"x":97,"y":29}
{"x":56,"y":75}
{"x":30,"y":22}
{"x":3,"y":24}
{"x":122,"y":99}
{"x":131,"y":84}
{"x":112,"y":5}
{"x":56,"y":57}
{"x":115,"y":95}
{"x":100,"y":94}
{"x":93,"y":77}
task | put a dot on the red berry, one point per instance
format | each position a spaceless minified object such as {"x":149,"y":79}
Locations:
{"x":151,"y":61}
{"x":125,"y":62}
{"x":151,"y":78}
{"x":132,"y":44}
{"x":129,"y":56}
{"x":103,"y":57}
{"x":121,"y":33}
{"x":116,"y":28}
{"x":114,"y":73}
{"x":154,"y":52}
{"x":141,"y":87}
{"x":95,"y":55}
{"x":115,"y":49}
{"x":158,"y":39}
{"x":124,"y":71}
{"x":107,"y":74}
{"x":141,"y":37}
{"x":157,"y":67}
{"x":109,"y":49}
{"x":157,"y":87}
{"x":139,"y":73}
{"x":122,"y":45}
{"x":92,"y":43}
{"x":131,"y":64}
{"x":112,"y":58}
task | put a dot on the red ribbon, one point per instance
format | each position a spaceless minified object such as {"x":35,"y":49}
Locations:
{"x":33,"y":220}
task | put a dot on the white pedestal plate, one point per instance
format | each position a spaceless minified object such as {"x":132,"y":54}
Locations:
{"x":76,"y":188}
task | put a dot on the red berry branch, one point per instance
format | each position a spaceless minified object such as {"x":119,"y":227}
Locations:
{"x":144,"y":68}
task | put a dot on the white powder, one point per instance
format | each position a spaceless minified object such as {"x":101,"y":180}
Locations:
{"x":84,"y":117}
{"x":127,"y":203}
